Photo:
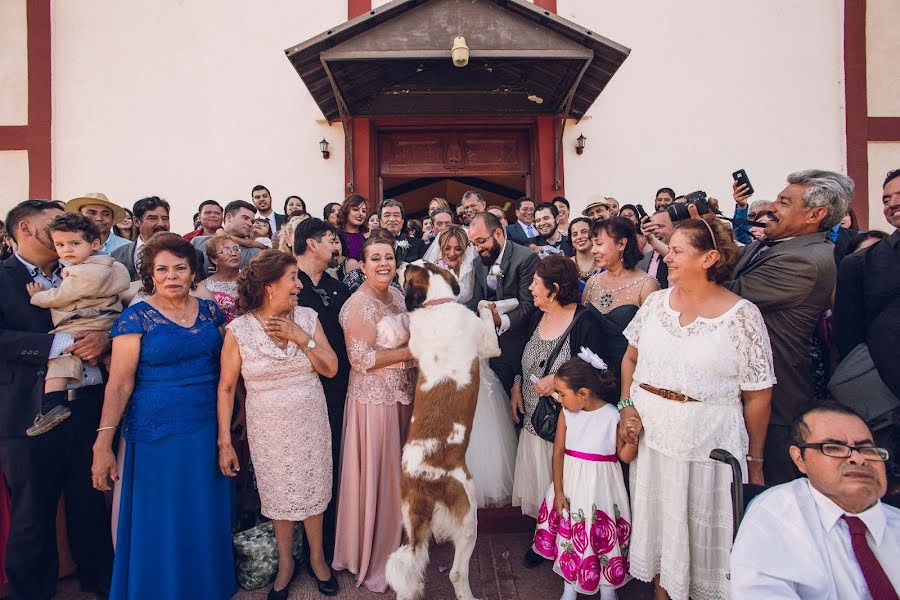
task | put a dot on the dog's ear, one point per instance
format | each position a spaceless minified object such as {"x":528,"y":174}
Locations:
{"x":449,"y":277}
{"x":416,"y":286}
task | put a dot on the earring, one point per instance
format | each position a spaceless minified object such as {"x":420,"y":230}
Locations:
{"x":270,"y":295}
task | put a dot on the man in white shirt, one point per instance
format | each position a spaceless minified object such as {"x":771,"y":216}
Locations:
{"x":826,"y":536}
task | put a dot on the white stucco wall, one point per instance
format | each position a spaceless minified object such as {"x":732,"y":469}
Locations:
{"x":883,"y":58}
{"x":13,"y":63}
{"x":188,"y":100}
{"x":13,"y":179}
{"x":710,"y":87}
{"x":191,"y":99}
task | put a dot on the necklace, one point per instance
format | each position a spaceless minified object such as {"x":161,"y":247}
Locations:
{"x":585,"y":275}
{"x":283,"y":344}
{"x":606,"y":298}
{"x":181,"y":314}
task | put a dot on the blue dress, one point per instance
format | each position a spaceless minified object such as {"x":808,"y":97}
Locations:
{"x":174,"y":530}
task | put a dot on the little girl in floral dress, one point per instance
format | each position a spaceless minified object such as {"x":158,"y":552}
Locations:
{"x":584,"y":523}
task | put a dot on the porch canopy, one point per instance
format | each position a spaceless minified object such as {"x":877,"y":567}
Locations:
{"x":395,"y":60}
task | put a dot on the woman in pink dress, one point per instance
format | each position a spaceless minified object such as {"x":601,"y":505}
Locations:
{"x":382,"y":383}
{"x":225,"y":254}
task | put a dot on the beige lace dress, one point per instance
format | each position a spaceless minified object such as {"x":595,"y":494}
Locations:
{"x":287,"y":421}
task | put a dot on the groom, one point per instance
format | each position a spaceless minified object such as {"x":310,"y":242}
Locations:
{"x":504,"y":271}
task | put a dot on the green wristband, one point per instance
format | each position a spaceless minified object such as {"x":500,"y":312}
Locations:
{"x":625,"y":403}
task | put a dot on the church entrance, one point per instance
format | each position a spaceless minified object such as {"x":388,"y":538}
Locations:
{"x":422,"y":162}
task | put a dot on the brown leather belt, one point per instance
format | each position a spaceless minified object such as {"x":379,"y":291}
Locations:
{"x":668,"y":394}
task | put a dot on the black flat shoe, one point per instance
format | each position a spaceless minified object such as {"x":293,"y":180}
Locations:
{"x":326,"y":588}
{"x":282,"y":594}
{"x":532,"y":559}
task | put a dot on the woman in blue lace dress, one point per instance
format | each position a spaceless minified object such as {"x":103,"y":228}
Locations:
{"x":174,"y":528}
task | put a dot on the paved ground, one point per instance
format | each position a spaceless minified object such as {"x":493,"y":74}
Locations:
{"x":496,"y":574}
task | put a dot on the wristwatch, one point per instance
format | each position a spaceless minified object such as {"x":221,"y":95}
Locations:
{"x":310,"y":345}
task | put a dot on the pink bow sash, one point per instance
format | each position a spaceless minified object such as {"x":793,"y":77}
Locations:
{"x":592,"y":457}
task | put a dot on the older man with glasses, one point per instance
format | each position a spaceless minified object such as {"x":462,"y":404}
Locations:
{"x":828,"y":535}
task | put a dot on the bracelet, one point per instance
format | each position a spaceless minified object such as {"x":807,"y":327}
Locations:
{"x":107,"y":427}
{"x":625,"y":403}
{"x":750,"y":459}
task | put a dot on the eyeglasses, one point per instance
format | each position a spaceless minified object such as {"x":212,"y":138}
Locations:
{"x":227,"y":251}
{"x":836,"y":450}
{"x":323,"y":296}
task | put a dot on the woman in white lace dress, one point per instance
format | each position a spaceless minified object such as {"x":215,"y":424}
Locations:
{"x":280,"y":349}
{"x":699,"y":373}
{"x":491,"y":456}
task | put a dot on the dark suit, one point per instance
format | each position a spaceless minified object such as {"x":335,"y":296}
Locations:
{"x":125,"y":255}
{"x":38,"y":469}
{"x":517,"y":265}
{"x":791,"y":282}
{"x":415,"y":251}
{"x":662,"y":271}
{"x":515,"y":233}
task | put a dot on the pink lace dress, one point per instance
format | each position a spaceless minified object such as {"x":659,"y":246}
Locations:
{"x":287,"y":421}
{"x":225,"y":294}
{"x":369,"y":520}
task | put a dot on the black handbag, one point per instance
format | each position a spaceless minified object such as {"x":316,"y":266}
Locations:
{"x":546,"y":413}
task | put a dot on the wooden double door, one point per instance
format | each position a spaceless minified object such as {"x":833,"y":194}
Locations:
{"x":416,"y":165}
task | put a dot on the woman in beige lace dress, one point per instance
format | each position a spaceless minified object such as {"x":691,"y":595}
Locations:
{"x":280,"y":349}
{"x":382,"y":384}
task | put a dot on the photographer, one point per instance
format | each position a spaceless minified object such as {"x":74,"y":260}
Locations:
{"x":790,"y":276}
{"x":657,"y":230}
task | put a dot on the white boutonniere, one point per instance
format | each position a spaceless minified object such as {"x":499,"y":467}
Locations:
{"x":496,"y":271}
{"x":403,"y":244}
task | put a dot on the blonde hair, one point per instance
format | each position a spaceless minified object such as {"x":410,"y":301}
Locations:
{"x":441,"y":203}
{"x":286,"y":234}
{"x":453,"y":231}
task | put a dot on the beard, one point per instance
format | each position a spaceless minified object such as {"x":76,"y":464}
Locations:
{"x":335,"y":260}
{"x":494,"y":252}
{"x":550,"y":234}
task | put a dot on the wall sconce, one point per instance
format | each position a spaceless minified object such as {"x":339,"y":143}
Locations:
{"x":579,"y":144}
{"x":323,"y":146}
{"x":459,"y":52}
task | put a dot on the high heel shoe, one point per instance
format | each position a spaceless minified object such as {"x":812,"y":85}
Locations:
{"x":282,"y":594}
{"x":326,"y":588}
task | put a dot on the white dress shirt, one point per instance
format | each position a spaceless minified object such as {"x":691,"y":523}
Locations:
{"x":793,"y":543}
{"x":492,"y":283}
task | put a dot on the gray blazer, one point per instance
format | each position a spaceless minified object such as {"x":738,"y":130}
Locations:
{"x":791,"y":283}
{"x":518,"y":266}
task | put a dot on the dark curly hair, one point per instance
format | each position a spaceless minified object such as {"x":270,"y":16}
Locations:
{"x":560,"y":276}
{"x":349,"y":202}
{"x":620,"y":228}
{"x":75,"y":223}
{"x":699,"y":235}
{"x":266,"y":267}
{"x":173,"y":243}
{"x":577,"y":374}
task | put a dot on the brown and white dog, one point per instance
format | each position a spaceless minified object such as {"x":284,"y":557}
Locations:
{"x":436,"y":487}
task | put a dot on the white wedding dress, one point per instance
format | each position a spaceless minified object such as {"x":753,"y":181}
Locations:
{"x":491,"y":456}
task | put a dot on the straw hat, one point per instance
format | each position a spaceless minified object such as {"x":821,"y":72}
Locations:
{"x":602,"y":201}
{"x":74,"y":205}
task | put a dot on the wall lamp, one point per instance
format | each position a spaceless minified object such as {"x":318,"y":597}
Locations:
{"x":579,"y":144}
{"x":323,"y":146}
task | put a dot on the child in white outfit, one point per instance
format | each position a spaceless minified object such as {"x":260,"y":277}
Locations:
{"x":584,"y":522}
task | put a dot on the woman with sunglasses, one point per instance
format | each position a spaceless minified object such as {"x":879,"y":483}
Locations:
{"x":698,"y":372}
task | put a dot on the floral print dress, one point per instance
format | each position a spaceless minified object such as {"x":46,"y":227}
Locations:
{"x":589,"y":544}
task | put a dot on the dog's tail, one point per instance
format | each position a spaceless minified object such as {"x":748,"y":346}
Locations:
{"x":405,"y":571}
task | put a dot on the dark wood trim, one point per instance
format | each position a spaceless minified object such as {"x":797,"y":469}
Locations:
{"x":884,"y":129}
{"x":356,"y":8}
{"x":14,"y":137}
{"x":856,"y":105}
{"x":546,"y":5}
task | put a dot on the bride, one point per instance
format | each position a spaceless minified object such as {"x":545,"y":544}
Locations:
{"x":491,"y":455}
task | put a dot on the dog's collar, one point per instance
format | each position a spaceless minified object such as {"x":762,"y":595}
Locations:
{"x":438,"y":301}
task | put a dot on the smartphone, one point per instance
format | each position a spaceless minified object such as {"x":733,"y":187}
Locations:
{"x":740,"y":176}
{"x":641,"y":213}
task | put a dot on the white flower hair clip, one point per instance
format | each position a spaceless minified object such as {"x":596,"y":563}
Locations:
{"x":588,"y":356}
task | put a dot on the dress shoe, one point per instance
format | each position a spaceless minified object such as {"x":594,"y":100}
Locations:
{"x":532,"y":559}
{"x":326,"y":588}
{"x":282,"y":594}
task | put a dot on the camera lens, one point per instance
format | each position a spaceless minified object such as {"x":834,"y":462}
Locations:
{"x":678,"y":212}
